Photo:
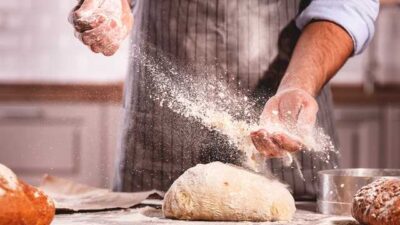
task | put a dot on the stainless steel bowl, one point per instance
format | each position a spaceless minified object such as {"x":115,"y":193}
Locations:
{"x":337,"y":187}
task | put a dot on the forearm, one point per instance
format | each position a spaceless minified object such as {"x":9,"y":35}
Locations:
{"x":323,"y":47}
{"x":320,"y":52}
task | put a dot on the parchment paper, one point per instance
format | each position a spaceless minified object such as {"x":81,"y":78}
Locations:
{"x":72,"y":197}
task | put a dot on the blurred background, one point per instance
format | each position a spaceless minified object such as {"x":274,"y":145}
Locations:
{"x":60,"y":104}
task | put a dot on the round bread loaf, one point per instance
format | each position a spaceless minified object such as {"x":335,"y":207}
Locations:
{"x":22,"y":204}
{"x":222,"y":192}
{"x":378,"y":203}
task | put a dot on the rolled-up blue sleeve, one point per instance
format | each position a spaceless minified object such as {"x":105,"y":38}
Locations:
{"x":357,"y":17}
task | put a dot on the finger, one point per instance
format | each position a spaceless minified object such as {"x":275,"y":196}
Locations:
{"x":111,"y":45}
{"x":83,"y":24}
{"x":95,"y":48}
{"x":87,"y":7}
{"x":286,"y":143}
{"x":71,"y":16}
{"x":111,"y":49}
{"x":258,"y":136}
{"x":108,"y":47}
{"x":272,"y":150}
{"x":95,"y":35}
{"x":270,"y":113}
{"x":259,"y":142}
{"x":78,"y":35}
{"x":72,"y":12}
{"x":103,"y":39}
{"x":88,"y":39}
{"x":264,"y":144}
{"x":107,"y":30}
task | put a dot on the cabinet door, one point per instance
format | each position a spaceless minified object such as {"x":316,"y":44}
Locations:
{"x":361,"y":132}
{"x":393,"y":137}
{"x":112,"y":123}
{"x":59,"y":139}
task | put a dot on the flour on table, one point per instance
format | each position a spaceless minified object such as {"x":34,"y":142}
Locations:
{"x":152,"y":216}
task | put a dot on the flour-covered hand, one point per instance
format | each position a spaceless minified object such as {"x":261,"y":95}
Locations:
{"x":274,"y":145}
{"x":295,"y":111}
{"x":102,"y":24}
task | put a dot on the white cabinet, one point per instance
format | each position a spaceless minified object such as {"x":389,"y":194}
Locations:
{"x":369,"y":136}
{"x":360,"y":135}
{"x":75,"y":141}
{"x":393,"y":137}
{"x":79,"y":141}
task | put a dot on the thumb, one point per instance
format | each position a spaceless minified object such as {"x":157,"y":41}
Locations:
{"x":85,"y":17}
{"x":87,"y":7}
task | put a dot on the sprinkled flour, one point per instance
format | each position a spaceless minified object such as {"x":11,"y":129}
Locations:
{"x":211,"y":101}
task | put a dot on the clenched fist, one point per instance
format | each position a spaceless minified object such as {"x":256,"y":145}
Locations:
{"x":102,"y":24}
{"x":293,"y":109}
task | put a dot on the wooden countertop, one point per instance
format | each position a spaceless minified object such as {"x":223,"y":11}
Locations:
{"x":355,"y":95}
{"x":112,"y":93}
{"x":62,"y":92}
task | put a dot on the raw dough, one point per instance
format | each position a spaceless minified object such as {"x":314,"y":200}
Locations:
{"x":218,"y":191}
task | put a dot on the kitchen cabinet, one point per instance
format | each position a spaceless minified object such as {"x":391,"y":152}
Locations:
{"x":79,"y":140}
{"x":361,"y":136}
{"x":369,"y":135}
{"x":72,"y":131}
{"x":72,"y":140}
{"x":393,"y":137}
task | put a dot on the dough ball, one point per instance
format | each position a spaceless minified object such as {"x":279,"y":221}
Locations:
{"x":378,"y":203}
{"x":223,"y":192}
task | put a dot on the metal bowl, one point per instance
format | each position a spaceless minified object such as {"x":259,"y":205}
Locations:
{"x":337,"y":187}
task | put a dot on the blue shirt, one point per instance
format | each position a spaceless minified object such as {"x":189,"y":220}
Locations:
{"x":357,"y":17}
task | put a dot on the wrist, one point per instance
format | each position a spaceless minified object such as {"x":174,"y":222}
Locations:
{"x":297,"y":82}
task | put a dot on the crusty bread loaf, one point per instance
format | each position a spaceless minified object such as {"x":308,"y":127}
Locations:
{"x":22,"y":204}
{"x":378,"y":203}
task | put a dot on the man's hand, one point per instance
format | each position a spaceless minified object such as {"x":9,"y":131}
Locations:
{"x":274,"y":145}
{"x":293,"y":108}
{"x":102,"y":24}
{"x":295,"y":111}
{"x":323,"y":47}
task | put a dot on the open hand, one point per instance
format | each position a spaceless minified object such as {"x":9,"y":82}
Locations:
{"x":295,"y":111}
{"x":274,"y":145}
{"x":102,"y":24}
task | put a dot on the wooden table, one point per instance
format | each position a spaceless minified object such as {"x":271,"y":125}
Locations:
{"x":305,"y":215}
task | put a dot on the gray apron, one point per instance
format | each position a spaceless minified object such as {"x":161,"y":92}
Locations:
{"x":251,"y":41}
